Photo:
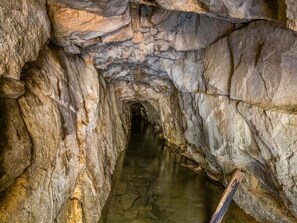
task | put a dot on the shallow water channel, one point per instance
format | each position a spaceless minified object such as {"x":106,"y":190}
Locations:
{"x":150,"y":186}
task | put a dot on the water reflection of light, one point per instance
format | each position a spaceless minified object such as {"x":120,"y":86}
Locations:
{"x":151,"y":187}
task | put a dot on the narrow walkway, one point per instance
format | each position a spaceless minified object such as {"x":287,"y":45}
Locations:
{"x":151,"y":187}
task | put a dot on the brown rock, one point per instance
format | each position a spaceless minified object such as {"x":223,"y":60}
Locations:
{"x":78,"y":27}
{"x":68,"y":112}
{"x":24,"y":29}
{"x":11,"y":88}
{"x":15,"y":143}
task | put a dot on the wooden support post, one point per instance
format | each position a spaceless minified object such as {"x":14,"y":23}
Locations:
{"x":226,"y":199}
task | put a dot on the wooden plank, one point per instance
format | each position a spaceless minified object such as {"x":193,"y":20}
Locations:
{"x":227,"y":196}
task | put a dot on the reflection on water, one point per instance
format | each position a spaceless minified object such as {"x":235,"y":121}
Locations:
{"x":151,"y":187}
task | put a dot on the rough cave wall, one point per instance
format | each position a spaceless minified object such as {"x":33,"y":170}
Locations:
{"x":63,"y":142}
{"x":223,"y":84}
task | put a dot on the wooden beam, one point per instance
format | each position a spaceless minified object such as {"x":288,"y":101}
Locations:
{"x":226,"y":199}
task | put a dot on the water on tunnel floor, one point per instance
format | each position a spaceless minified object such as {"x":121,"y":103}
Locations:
{"x":150,"y":186}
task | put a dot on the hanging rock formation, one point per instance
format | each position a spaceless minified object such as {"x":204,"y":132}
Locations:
{"x":220,"y":74}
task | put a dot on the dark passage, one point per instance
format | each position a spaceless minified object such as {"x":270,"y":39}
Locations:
{"x":150,"y":185}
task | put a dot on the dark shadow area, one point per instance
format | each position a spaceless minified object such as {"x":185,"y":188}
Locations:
{"x":138,"y":116}
{"x":3,"y":132}
{"x":150,"y":185}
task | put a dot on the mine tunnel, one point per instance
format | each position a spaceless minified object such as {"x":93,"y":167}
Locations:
{"x":213,"y":84}
{"x":154,"y":181}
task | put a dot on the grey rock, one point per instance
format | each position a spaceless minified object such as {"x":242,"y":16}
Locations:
{"x":218,"y":64}
{"x":248,"y":138}
{"x":263,"y":62}
{"x":291,"y":12}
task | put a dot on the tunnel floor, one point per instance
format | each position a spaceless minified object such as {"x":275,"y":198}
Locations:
{"x":150,"y":186}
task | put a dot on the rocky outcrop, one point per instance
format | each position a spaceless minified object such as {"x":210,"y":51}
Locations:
{"x":222,"y":85}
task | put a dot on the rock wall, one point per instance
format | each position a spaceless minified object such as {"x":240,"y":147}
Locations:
{"x":25,"y":28}
{"x":70,"y":134}
{"x":223,"y":85}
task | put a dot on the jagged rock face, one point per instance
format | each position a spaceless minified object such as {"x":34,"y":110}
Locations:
{"x":222,"y":85}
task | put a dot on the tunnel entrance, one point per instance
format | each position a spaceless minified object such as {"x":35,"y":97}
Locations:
{"x":138,"y":111}
{"x":143,"y":111}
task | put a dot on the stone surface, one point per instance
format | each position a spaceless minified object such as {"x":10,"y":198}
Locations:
{"x":218,"y":64}
{"x":24,"y":29}
{"x":11,"y":88}
{"x":263,"y":63}
{"x":258,"y":141}
{"x":105,"y":8}
{"x":67,"y":109}
{"x":291,"y":12}
{"x":15,"y":143}
{"x":79,"y":28}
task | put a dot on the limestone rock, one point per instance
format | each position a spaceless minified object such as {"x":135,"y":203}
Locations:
{"x":276,"y":136}
{"x":82,"y":28}
{"x":218,"y":66}
{"x":184,"y":65}
{"x":105,"y":8}
{"x":264,"y":57}
{"x":15,"y":143}
{"x":291,"y":14}
{"x":64,"y":103}
{"x":184,"y":5}
{"x":11,"y":88}
{"x":259,"y":9}
{"x":258,"y":141}
{"x":24,"y":29}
